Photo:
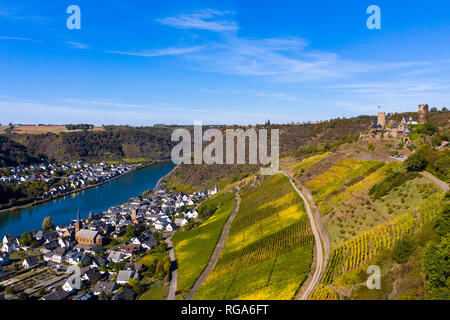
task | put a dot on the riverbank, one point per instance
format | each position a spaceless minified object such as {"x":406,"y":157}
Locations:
{"x":59,"y":196}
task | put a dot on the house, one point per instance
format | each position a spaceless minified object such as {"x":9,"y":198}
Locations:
{"x":171,"y":227}
{"x":129,"y":249}
{"x":116,"y":256}
{"x":83,"y":297}
{"x":58,"y":255}
{"x":30,"y":262}
{"x":75,"y":258}
{"x":99,"y":262}
{"x":91,"y":274}
{"x":88,"y":237}
{"x":10,"y":246}
{"x":124,"y":276}
{"x":103,"y":287}
{"x":72,"y":285}
{"x":148,"y":244}
{"x":4,"y":258}
{"x":50,"y":246}
{"x":124,"y":295}
{"x":58,"y":294}
{"x":181,"y":222}
{"x":134,"y":266}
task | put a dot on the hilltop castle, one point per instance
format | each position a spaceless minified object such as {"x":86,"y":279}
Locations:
{"x":394,"y":128}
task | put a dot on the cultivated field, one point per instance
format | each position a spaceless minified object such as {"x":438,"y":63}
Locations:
{"x":269,"y":249}
{"x":47,"y":129}
{"x":194,"y":247}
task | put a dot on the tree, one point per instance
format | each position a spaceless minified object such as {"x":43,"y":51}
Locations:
{"x":371,"y":147}
{"x":402,"y":251}
{"x":416,"y":162}
{"x":137,"y":286}
{"x":48,"y":224}
{"x":436,"y":265}
{"x":130,"y":231}
{"x":26,"y":238}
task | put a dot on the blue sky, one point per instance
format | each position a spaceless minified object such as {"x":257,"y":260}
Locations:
{"x":234,"y":62}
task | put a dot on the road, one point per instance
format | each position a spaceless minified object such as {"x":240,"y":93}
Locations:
{"x":320,"y":261}
{"x":173,"y":270}
{"x":220,"y":245}
{"x":444,"y":186}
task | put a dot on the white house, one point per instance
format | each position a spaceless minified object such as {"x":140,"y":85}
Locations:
{"x":124,"y":276}
{"x":72,"y":285}
{"x":30,"y":262}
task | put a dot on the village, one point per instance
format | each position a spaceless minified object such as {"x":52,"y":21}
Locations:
{"x":65,"y":177}
{"x":94,"y":257}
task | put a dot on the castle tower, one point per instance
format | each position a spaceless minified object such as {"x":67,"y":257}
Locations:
{"x":422,"y":114}
{"x":382,"y":119}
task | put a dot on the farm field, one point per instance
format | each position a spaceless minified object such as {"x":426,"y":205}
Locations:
{"x":47,"y":129}
{"x":269,"y":249}
{"x":194,"y":247}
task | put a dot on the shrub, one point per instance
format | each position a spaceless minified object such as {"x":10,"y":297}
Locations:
{"x":402,"y":251}
{"x":416,"y":162}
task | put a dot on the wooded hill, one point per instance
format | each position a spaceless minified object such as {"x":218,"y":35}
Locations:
{"x":154,"y":143}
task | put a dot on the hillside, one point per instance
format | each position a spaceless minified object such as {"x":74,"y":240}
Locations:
{"x":269,"y":249}
{"x":114,"y":143}
{"x":14,"y":154}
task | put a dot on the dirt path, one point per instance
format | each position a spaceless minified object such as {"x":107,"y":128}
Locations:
{"x":173,"y":270}
{"x":220,"y":245}
{"x":321,"y":241}
{"x":444,"y":186}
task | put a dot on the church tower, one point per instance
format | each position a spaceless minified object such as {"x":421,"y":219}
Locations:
{"x":78,"y":224}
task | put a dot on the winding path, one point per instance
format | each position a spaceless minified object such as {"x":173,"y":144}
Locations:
{"x":443,"y":185}
{"x":319,"y":238}
{"x":220,"y":245}
{"x":173,"y":270}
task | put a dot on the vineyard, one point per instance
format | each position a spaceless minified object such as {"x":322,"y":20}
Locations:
{"x":361,"y":249}
{"x":194,"y":247}
{"x":269,"y":249}
{"x":308,"y":162}
{"x":344,"y":174}
{"x":323,"y":292}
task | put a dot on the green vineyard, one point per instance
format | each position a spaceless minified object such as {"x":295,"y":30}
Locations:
{"x":269,"y":249}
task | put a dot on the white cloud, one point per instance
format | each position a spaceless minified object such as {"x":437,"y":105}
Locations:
{"x":19,"y":39}
{"x":158,"y":53}
{"x":77,"y":45}
{"x":208,"y":19}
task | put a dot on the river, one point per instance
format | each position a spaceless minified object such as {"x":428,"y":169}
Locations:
{"x":97,"y":200}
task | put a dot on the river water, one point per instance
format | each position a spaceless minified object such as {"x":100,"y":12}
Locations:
{"x":97,"y":200}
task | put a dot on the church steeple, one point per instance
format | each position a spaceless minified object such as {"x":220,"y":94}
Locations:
{"x":78,"y":224}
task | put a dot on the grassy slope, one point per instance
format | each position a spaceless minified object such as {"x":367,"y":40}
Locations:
{"x":261,"y":260}
{"x":194,"y":247}
{"x":157,"y":291}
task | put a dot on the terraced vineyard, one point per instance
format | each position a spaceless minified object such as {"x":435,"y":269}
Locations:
{"x":194,"y":247}
{"x":269,"y":249}
{"x":360,"y":250}
{"x":334,"y":181}
{"x":308,"y":162}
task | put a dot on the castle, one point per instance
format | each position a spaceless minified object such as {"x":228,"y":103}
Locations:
{"x":394,"y":128}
